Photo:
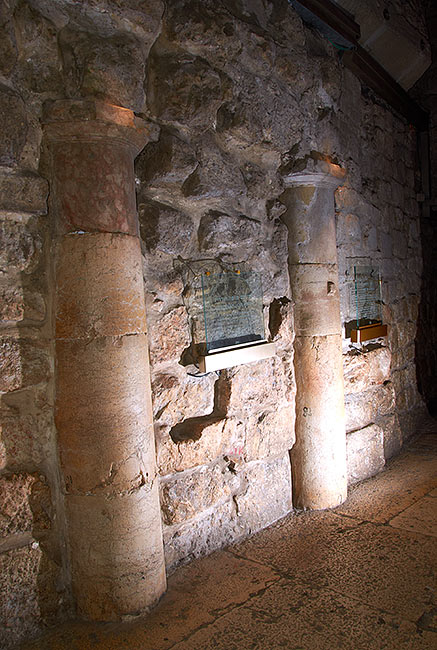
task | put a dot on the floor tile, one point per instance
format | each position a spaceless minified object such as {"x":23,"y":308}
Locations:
{"x":291,"y":617}
{"x":421,"y":517}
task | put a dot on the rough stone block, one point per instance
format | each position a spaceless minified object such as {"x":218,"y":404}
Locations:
{"x":270,"y":434}
{"x":23,"y":193}
{"x":187,"y":495}
{"x":221,"y":232}
{"x":202,"y":535}
{"x":169,"y":336}
{"x":100,"y":290}
{"x":164,"y":229}
{"x":23,"y":362}
{"x":19,"y":302}
{"x":366,"y":407}
{"x":364,"y":370}
{"x":20,"y":615}
{"x":176,"y":398}
{"x":267,"y":496}
{"x":184,"y":89}
{"x":26,"y":422}
{"x":103,"y":414}
{"x":392,"y":435}
{"x":15,"y":510}
{"x":256,"y":386}
{"x":13,"y":126}
{"x":20,"y":244}
{"x":365,"y":453}
{"x":116,"y":550}
{"x":110,"y":68}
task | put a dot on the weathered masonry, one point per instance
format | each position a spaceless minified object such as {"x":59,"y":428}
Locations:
{"x":142,"y":145}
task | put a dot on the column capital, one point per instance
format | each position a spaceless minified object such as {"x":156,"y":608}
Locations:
{"x":318,"y":173}
{"x":88,"y":120}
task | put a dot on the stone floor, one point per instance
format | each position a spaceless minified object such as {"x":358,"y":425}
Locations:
{"x":362,"y":576}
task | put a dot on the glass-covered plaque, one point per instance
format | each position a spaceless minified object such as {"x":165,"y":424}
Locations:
{"x":366,"y":295}
{"x":232,"y":306}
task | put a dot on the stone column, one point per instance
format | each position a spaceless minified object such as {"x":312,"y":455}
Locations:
{"x":319,"y":455}
{"x":103,"y":396}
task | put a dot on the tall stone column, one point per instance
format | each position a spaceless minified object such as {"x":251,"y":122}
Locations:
{"x":319,"y":455}
{"x":103,"y":396}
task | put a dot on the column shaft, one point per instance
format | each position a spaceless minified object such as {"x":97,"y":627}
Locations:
{"x":103,"y":396}
{"x":319,"y":455}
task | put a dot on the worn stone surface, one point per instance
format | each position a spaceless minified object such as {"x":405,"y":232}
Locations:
{"x":23,"y":362}
{"x":104,"y":415}
{"x":20,"y":244}
{"x":23,"y":193}
{"x":127,"y":572}
{"x":244,"y":94}
{"x":202,"y":535}
{"x":16,"y":503}
{"x":184,"y":496}
{"x":100,"y":289}
{"x":19,"y":608}
{"x":365,"y":453}
{"x":265,"y":495}
{"x":363,"y":370}
{"x":320,"y":423}
{"x":14,"y":124}
{"x":109,"y":68}
{"x":366,"y":407}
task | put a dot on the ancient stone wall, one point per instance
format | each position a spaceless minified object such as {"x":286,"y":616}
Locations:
{"x":243,"y":94}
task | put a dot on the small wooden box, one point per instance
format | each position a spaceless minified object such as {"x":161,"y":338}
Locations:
{"x":367,"y":332}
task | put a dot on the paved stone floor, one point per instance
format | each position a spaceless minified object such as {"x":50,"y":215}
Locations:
{"x":362,"y":576}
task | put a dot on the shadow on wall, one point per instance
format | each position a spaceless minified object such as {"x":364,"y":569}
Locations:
{"x":426,"y":338}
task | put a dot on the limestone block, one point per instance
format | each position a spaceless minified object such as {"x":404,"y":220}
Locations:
{"x":19,"y":609}
{"x":169,"y":336}
{"x":221,"y":232}
{"x":364,"y":370}
{"x":20,"y":300}
{"x":40,"y":65}
{"x":392,"y":435}
{"x":26,"y":423}
{"x":219,"y":438}
{"x":23,"y":362}
{"x":400,"y":245}
{"x":24,"y":192}
{"x":103,"y":414}
{"x":175,"y":398}
{"x":366,"y":407}
{"x":316,"y":296}
{"x":270,"y":434}
{"x":184,"y":89}
{"x":166,"y":163}
{"x":348,"y":229}
{"x":365,"y":453}
{"x":202,"y":535}
{"x":164,"y":229}
{"x":268,"y":494}
{"x":20,"y":245}
{"x":8,"y":43}
{"x":185,"y":496}
{"x":13,"y":126}
{"x":94,"y":186}
{"x":117,"y":567}
{"x":110,"y":68}
{"x":100,"y":290}
{"x":256,"y":386}
{"x":15,"y":508}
